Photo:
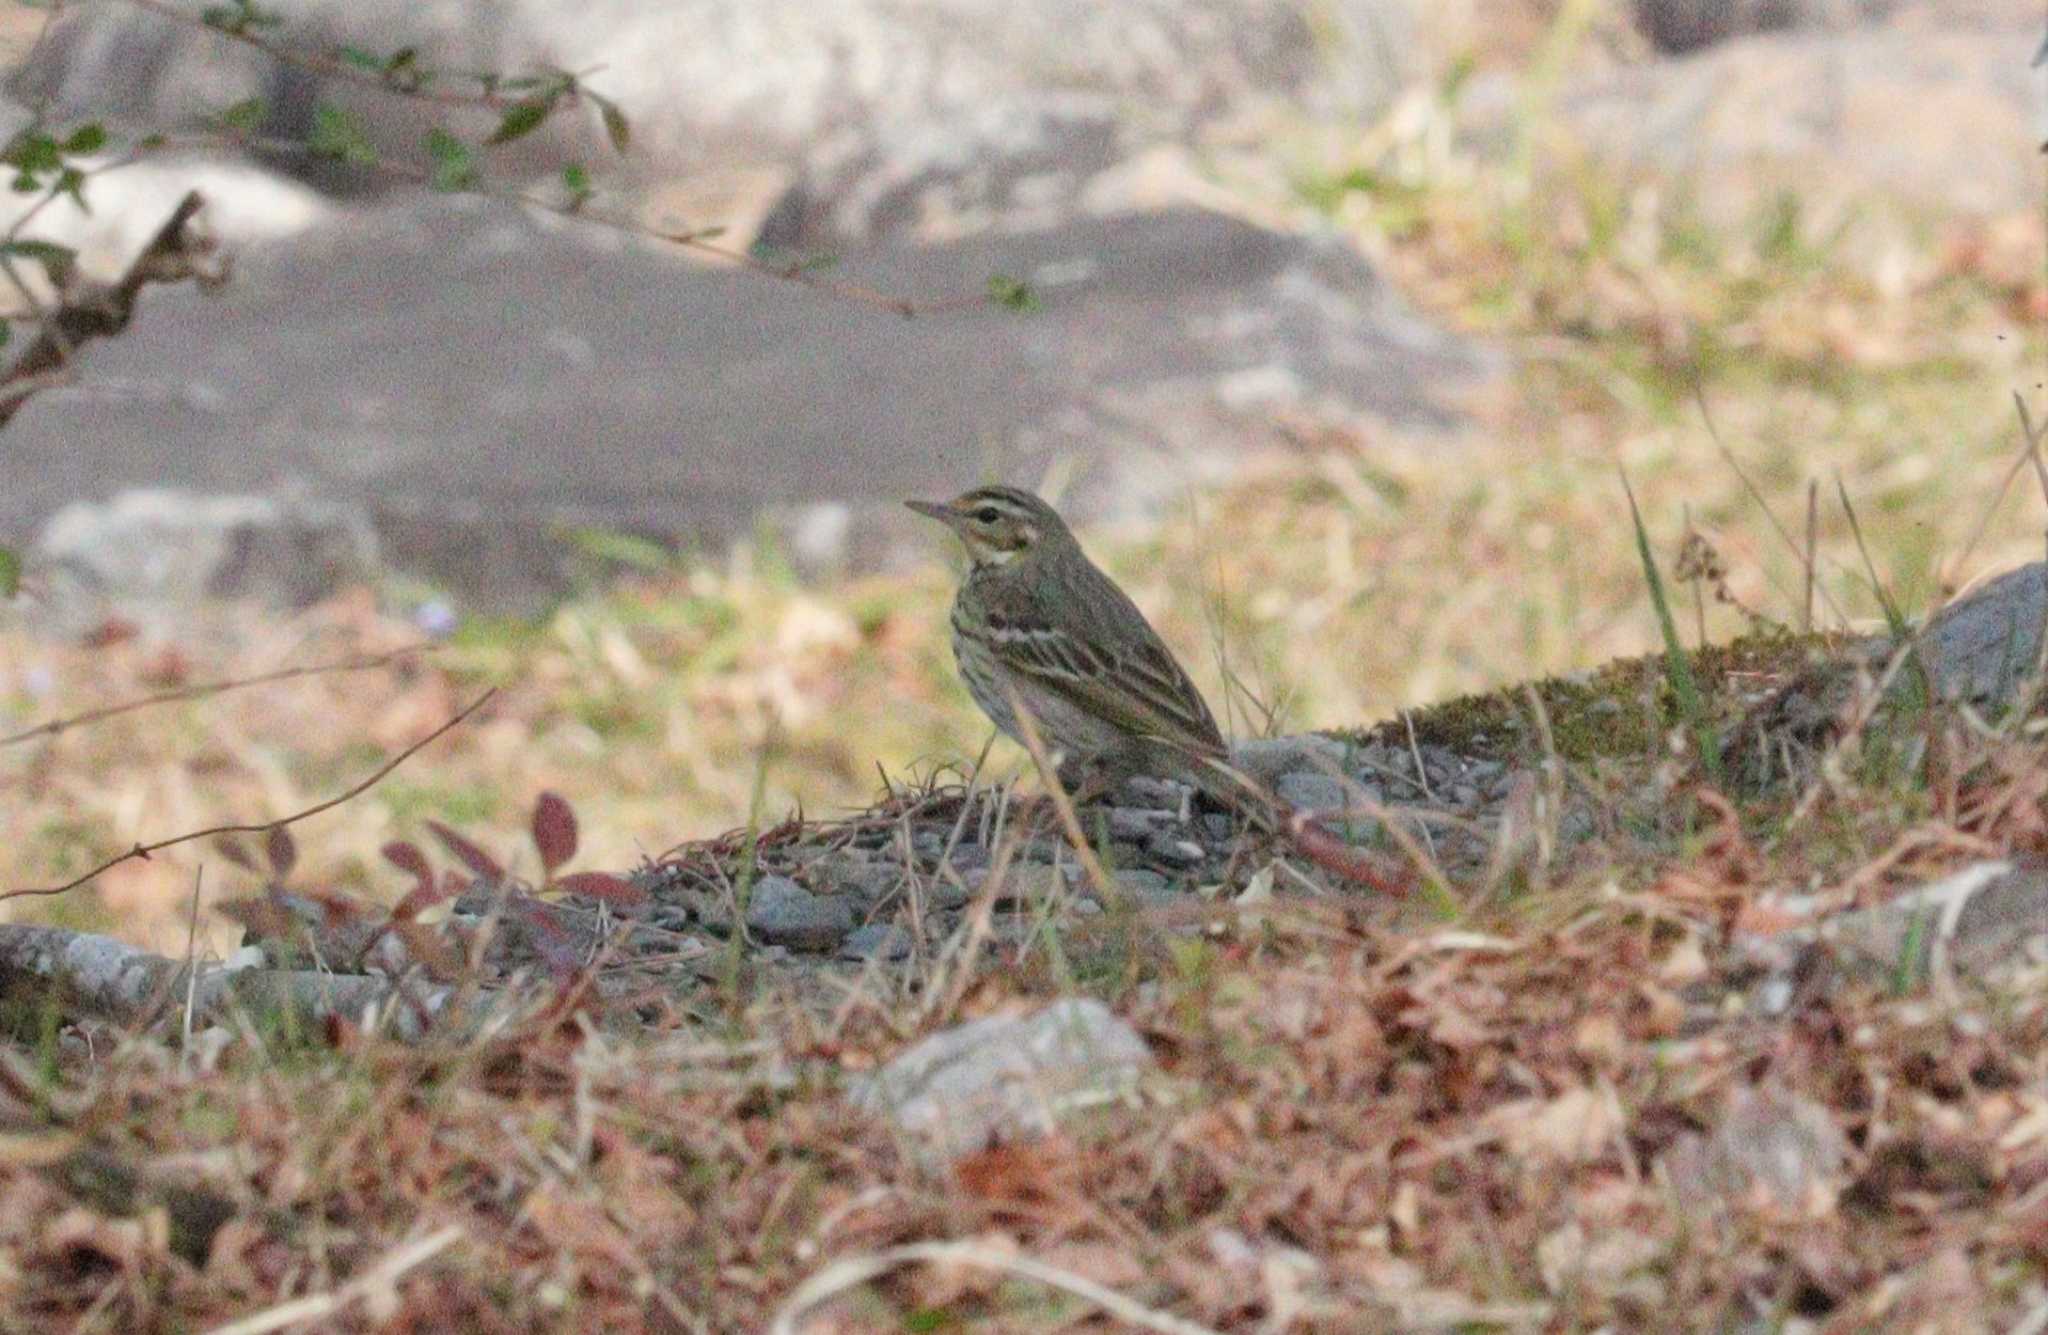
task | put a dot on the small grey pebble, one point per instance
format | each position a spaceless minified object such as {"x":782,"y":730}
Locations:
{"x":1465,"y":795}
{"x":1136,"y":823}
{"x":1142,"y":885}
{"x":864,"y":881}
{"x":1040,"y":850}
{"x":967,"y":855}
{"x":1216,"y":825}
{"x":1027,"y":882}
{"x":781,"y":912}
{"x":1313,"y":792}
{"x":1170,"y":848}
{"x":877,"y":940}
{"x":1148,"y":794}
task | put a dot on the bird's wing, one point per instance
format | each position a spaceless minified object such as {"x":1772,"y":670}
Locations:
{"x":1139,"y":687}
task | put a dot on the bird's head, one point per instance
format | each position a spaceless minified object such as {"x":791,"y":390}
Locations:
{"x":998,"y":524}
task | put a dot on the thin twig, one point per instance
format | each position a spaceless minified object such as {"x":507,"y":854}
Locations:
{"x":191,"y":969}
{"x":1742,"y":475}
{"x":379,"y":1278}
{"x":101,"y":310}
{"x":701,"y":240}
{"x":209,"y":688}
{"x":414,"y":86}
{"x":1812,"y":551}
{"x":1112,"y":894}
{"x":144,"y":851}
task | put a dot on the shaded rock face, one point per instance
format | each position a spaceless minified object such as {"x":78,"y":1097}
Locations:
{"x":1681,"y":26}
{"x":473,"y":379}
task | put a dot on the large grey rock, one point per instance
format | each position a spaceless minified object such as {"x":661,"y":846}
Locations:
{"x":1006,"y":1076}
{"x":478,"y":380}
{"x":1981,"y":646}
{"x":1688,"y":25}
{"x":1772,"y":1150}
{"x":1018,"y":163}
{"x":710,"y":82}
{"x":1820,"y":115}
{"x":147,"y":555}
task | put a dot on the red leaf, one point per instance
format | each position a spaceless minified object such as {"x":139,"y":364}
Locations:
{"x":429,"y":948}
{"x":602,"y":885}
{"x":472,"y":857}
{"x":282,"y":850}
{"x":422,"y":896}
{"x":407,"y":857}
{"x":233,"y":850}
{"x":554,"y":831}
{"x":554,"y":943}
{"x":1340,"y":859}
{"x":260,"y":916}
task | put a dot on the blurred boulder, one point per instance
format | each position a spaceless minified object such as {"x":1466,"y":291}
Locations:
{"x":145,"y":555}
{"x":1947,"y":118}
{"x":480,"y":381}
{"x":1006,"y":1077}
{"x":1678,"y":27}
{"x":710,"y":82}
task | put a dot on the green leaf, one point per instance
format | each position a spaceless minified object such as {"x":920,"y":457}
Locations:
{"x":245,"y":116}
{"x":87,"y":139}
{"x":615,"y":127}
{"x":71,"y":181}
{"x":454,"y":164}
{"x":1677,"y":666}
{"x":57,"y":261}
{"x":576,"y":180}
{"x":238,"y":17}
{"x":363,"y":60}
{"x":32,"y":152}
{"x":339,"y":135}
{"x":6,"y":332}
{"x":1012,"y":294}
{"x":520,"y":119}
{"x":10,"y":572}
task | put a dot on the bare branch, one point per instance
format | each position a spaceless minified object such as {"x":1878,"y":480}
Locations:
{"x":101,"y":310}
{"x":418,"y":86}
{"x":202,"y":689}
{"x":144,"y":851}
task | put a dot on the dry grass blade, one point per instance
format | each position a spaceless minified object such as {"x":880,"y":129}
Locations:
{"x":851,"y":1272}
{"x":1063,"y":804}
{"x":1807,"y":558}
{"x":378,"y":1280}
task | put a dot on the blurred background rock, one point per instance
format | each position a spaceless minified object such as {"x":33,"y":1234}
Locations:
{"x":469,"y":380}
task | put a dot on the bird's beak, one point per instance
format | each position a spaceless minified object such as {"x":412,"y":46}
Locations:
{"x":933,"y":510}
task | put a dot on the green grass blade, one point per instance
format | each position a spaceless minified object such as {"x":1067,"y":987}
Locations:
{"x":1677,"y":666}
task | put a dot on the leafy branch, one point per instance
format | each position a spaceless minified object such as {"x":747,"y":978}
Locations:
{"x":523,"y":104}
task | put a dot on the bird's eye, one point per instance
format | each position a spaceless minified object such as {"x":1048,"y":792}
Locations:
{"x":987,"y":514}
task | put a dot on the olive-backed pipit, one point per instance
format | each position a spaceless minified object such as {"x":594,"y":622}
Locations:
{"x":1036,"y":625}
